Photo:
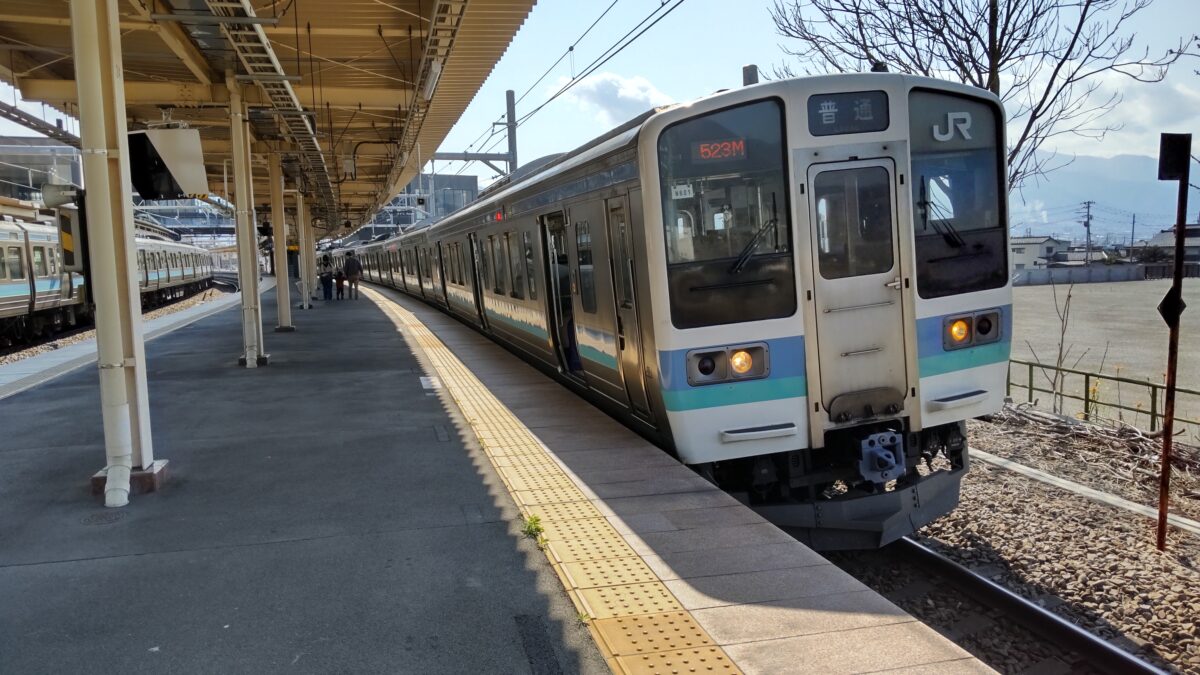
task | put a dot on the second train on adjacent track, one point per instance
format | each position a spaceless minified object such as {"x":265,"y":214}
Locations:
{"x":799,"y":288}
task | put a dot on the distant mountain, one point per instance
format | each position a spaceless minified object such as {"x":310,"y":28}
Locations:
{"x":1120,"y":187}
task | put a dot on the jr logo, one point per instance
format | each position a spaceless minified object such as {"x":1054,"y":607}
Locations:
{"x":955,"y":120}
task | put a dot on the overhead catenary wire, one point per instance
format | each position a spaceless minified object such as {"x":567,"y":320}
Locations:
{"x":571,"y":48}
{"x":607,"y":55}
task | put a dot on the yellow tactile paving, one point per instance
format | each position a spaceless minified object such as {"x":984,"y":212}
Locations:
{"x":638,"y":624}
{"x":628,"y":600}
{"x":599,"y":547}
{"x":565,"y":511}
{"x":648,"y":633}
{"x":608,"y":572}
{"x":701,"y":660}
{"x":524,"y":480}
{"x":550,"y":496}
{"x":584,"y":528}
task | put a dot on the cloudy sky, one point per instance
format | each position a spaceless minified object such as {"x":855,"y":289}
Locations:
{"x":700,"y":48}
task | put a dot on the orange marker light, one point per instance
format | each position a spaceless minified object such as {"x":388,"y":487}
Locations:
{"x":959,"y":331}
{"x":741,"y":362}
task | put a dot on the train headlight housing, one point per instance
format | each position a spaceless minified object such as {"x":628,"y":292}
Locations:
{"x":741,"y":362}
{"x":714,"y":365}
{"x":968,"y":330}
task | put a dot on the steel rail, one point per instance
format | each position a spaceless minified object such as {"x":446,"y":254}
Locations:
{"x":1097,"y":652}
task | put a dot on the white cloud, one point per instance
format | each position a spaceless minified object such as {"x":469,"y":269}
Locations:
{"x":1144,"y":111}
{"x":612,"y":98}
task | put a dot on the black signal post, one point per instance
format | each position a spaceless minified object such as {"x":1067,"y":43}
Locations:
{"x":1174,"y":155}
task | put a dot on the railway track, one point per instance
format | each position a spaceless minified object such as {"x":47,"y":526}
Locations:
{"x":83,"y":330}
{"x":1094,"y":652}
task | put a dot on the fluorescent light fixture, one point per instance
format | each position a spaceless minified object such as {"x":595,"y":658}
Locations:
{"x":435,"y":72}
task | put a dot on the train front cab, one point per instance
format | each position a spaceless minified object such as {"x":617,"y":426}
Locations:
{"x":838,"y":301}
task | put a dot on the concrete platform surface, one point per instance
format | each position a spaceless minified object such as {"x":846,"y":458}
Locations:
{"x":323,"y":514}
{"x":638,"y":537}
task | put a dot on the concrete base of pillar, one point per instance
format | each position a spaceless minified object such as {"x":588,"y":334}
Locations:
{"x":141,"y":481}
{"x":285,"y":329}
{"x":263,"y":360}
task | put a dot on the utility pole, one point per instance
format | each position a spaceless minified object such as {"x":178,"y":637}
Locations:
{"x":509,"y":158}
{"x":1132,"y":235}
{"x":1087,"y":226}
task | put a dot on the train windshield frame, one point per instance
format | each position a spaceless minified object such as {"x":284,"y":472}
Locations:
{"x":727,"y":216}
{"x":959,"y":205}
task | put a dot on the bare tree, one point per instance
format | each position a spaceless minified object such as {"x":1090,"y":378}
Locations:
{"x":1043,"y":58}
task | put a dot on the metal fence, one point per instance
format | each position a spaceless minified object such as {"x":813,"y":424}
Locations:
{"x":1096,"y":395}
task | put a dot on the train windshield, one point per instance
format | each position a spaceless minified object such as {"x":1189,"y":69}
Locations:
{"x":958,"y":205}
{"x":726,"y":216}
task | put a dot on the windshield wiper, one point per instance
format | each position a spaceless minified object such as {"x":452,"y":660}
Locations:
{"x":945,"y":228}
{"x":748,"y":251}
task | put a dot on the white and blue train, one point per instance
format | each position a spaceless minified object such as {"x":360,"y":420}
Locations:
{"x":39,"y":297}
{"x":799,"y":288}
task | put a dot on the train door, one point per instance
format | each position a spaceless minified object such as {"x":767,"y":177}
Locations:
{"x":477,"y":277}
{"x":441,"y":273}
{"x":629,"y":342}
{"x":558,"y":282}
{"x":856,"y":265}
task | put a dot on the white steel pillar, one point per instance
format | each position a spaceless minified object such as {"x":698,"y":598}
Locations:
{"x":311,"y":252}
{"x":304,"y":241}
{"x":283,"y":296}
{"x":253,"y":354}
{"x":125,"y":404}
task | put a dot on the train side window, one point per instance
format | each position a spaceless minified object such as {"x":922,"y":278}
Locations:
{"x":16,"y":263}
{"x":499,"y":264}
{"x":39,"y":262}
{"x":528,"y":240}
{"x":3,"y":265}
{"x":53,"y":260}
{"x":515,"y":264}
{"x":587,"y":271}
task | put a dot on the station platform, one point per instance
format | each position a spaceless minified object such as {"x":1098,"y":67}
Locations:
{"x":358,"y":505}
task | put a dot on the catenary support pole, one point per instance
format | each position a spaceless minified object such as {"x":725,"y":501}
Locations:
{"x":253,"y":354}
{"x":311,"y":252}
{"x":283,"y":296}
{"x":124,"y":401}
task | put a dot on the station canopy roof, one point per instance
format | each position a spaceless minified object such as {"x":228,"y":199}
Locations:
{"x":354,"y":92}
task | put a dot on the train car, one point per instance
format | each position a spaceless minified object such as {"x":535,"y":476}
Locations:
{"x":798,"y":288}
{"x":35,"y":292}
{"x":38,"y":297}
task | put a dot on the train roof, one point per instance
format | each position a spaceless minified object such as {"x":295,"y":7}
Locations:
{"x":626,"y":134}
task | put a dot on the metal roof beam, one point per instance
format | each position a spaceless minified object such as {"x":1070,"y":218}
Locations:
{"x":189,"y":94}
{"x":180,"y":43}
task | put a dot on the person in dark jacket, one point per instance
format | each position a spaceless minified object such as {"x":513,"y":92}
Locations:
{"x":325,"y":274}
{"x":353,"y":269}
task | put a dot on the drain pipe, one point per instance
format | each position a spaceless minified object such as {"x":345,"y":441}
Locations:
{"x":118,"y":443}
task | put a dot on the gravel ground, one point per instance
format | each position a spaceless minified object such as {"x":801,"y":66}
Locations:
{"x":90,"y":333}
{"x":1116,"y":460}
{"x":1092,"y":564}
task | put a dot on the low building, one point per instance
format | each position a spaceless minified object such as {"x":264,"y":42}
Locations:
{"x":1031,"y":252}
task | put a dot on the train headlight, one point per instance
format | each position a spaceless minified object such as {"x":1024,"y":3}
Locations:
{"x":706,"y":365}
{"x":741,"y":362}
{"x":960,"y":331}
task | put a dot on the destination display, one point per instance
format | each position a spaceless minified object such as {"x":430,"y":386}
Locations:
{"x":705,"y":151}
{"x":853,"y":112}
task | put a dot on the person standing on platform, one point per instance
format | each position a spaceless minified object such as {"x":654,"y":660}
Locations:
{"x":325,"y":273}
{"x":353,"y":269}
